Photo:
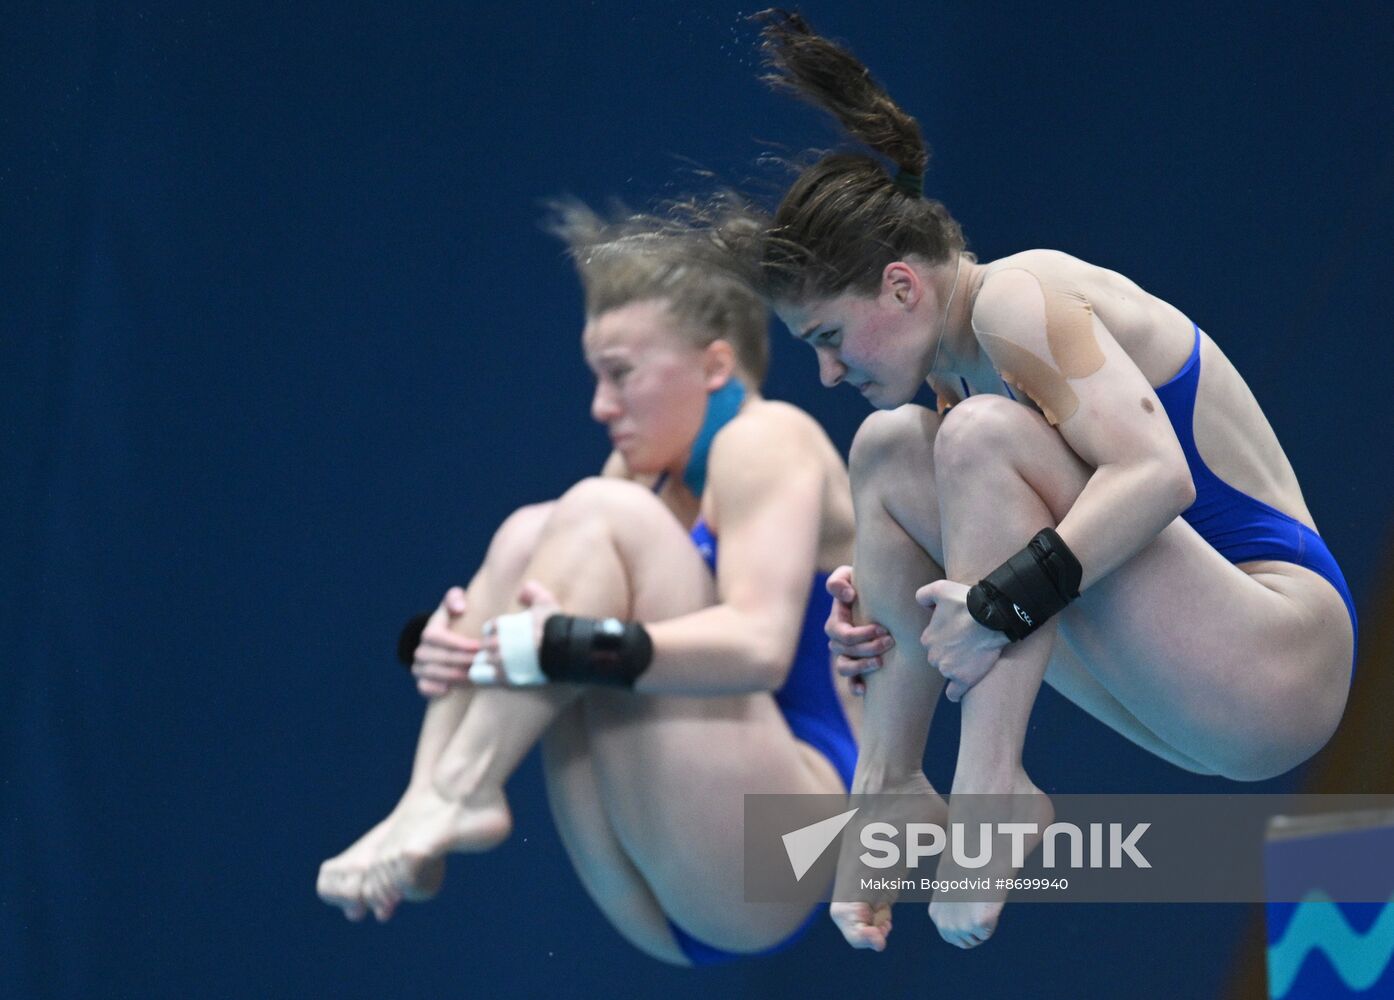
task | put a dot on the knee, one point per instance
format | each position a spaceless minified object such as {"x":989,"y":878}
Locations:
{"x":978,"y":430}
{"x":607,"y":499}
{"x":606,"y":510}
{"x":892,"y":440}
{"x":516,"y":539}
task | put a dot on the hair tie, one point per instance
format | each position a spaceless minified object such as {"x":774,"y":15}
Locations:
{"x":909,"y":182}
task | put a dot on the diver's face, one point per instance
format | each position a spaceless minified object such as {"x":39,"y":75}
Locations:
{"x":874,"y":343}
{"x":650,"y":384}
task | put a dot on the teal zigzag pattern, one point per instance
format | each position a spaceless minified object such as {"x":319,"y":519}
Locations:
{"x":1317,"y":924}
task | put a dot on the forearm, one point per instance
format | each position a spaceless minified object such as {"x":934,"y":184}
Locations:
{"x":719,"y":650}
{"x":1120,"y":511}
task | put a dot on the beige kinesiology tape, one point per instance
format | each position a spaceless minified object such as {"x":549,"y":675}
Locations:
{"x":1070,"y":332}
{"x":1074,"y":351}
{"x":1034,"y":376}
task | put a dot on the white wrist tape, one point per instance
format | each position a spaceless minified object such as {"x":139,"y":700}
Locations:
{"x":517,"y":653}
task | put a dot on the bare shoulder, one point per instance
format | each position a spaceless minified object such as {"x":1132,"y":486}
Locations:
{"x":1039,"y":268}
{"x":1038,"y":258}
{"x":769,"y":424}
{"x":1053,"y":269}
{"x":774,"y":448}
{"x":1050,"y":266}
{"x":1010,"y":301}
{"x":1018,"y":292}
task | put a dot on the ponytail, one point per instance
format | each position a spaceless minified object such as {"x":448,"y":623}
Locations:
{"x":829,"y":77}
{"x":846,"y":217}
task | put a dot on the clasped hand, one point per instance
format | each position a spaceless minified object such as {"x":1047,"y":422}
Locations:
{"x":444,"y":656}
{"x":962,"y":650}
{"x":956,"y":645}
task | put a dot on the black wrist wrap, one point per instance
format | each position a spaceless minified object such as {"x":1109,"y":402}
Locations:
{"x":411,"y":637}
{"x":594,"y":650}
{"x":1018,"y":596}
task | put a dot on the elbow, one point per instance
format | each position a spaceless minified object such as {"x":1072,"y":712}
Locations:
{"x":769,"y":666}
{"x":1182,"y":488}
{"x":1167,"y":480}
{"x":1164,"y":485}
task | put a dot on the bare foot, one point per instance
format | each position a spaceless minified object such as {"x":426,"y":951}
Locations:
{"x":968,"y":923}
{"x":410,"y":862}
{"x":340,"y":880}
{"x":865,"y":921}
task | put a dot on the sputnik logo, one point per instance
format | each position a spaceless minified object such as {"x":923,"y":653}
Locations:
{"x":807,"y":844}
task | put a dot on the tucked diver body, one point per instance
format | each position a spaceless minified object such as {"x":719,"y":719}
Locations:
{"x":668,"y":682}
{"x":1099,"y":503}
{"x":1083,"y":347}
{"x":1212,"y":625}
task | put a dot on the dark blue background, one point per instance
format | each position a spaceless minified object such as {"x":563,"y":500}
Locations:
{"x":282,"y":343}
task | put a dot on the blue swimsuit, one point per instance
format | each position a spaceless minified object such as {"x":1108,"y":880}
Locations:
{"x":811,"y":707}
{"x":1236,"y":525}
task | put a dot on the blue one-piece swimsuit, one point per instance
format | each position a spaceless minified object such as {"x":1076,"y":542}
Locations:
{"x":1239,"y":527}
{"x":810,"y":706}
{"x":1236,"y":525}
